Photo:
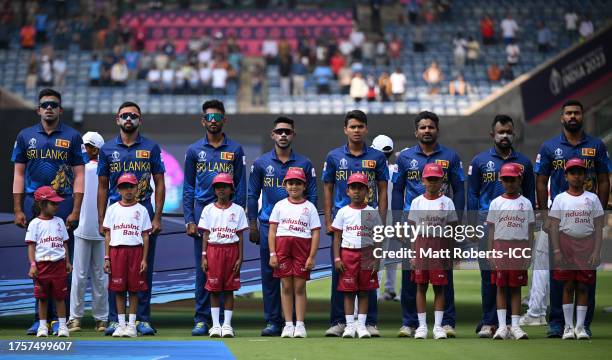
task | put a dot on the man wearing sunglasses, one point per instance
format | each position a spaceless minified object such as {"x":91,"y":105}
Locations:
{"x":136,"y":154}
{"x":266,"y":179}
{"x":213,"y":154}
{"x":48,"y":153}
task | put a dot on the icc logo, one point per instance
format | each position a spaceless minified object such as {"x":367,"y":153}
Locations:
{"x":558,"y":153}
{"x":269,"y":171}
{"x":59,"y":228}
{"x":232,"y":217}
{"x":490,"y":166}
{"x":32,"y":143}
{"x":305,"y":211}
{"x":521,"y":206}
{"x":414,"y":165}
{"x":343,"y":164}
{"x":115,"y":156}
{"x":441,"y":206}
{"x":201,"y":156}
{"x":555,"y":82}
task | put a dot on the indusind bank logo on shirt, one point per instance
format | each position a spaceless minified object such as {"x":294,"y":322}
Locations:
{"x":128,"y":229}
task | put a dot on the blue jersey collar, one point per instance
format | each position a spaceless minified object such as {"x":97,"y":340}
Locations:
{"x":275,"y":157}
{"x":513,"y":154}
{"x":437,"y":148}
{"x":120,"y":142}
{"x":59,"y":128}
{"x":582,"y":140}
{"x":348,"y":152}
{"x":205,"y":140}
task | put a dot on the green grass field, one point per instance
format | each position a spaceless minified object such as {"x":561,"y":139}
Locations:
{"x":174,"y":322}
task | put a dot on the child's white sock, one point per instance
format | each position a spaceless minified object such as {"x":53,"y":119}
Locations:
{"x":568,"y":314}
{"x":438,"y":315}
{"x":515,"y":320}
{"x":121,"y":318}
{"x":581,"y":312}
{"x":501,"y":318}
{"x":349,"y":319}
{"x":299,"y":323}
{"x":288,"y":323}
{"x":214,"y":312}
{"x":62,"y":321}
{"x":132,"y":319}
{"x":42,"y":323}
{"x":422,"y":319}
{"x":361,"y":319}
{"x":227,"y":317}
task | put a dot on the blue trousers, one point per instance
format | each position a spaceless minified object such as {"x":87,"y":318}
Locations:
{"x":408,"y":301}
{"x":270,"y":285}
{"x":202,"y":296}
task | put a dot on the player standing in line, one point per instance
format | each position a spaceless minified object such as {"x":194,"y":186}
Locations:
{"x":511,"y":226}
{"x":213,"y":154}
{"x":127,"y":227}
{"x":47,"y":240}
{"x":89,"y":247}
{"x":293,"y":243}
{"x":576,"y":224}
{"x":353,"y":254}
{"x":222,"y":224}
{"x":432,"y":208}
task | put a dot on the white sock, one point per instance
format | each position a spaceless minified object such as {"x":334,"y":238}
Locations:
{"x":132,"y":319}
{"x":568,"y":314}
{"x":214,"y":312}
{"x":227,"y":317}
{"x":121,"y":318}
{"x":288,"y":323}
{"x":62,"y":321}
{"x":501,"y":318}
{"x":361,"y":319}
{"x":349,"y":319}
{"x":515,"y":320}
{"x":42,"y":323}
{"x":438,"y":318}
{"x":580,"y":315}
{"x":299,"y":323}
{"x":422,"y":319}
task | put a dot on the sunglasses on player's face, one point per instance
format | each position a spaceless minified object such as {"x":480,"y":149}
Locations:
{"x":49,"y":104}
{"x":287,"y":132}
{"x":129,"y":116}
{"x":213,"y":117}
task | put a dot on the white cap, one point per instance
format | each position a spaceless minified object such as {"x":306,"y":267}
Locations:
{"x":94,"y":139}
{"x":383,"y":143}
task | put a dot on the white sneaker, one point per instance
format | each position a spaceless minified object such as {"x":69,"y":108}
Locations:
{"x":63,"y":331}
{"x":528,"y":320}
{"x":288,"y":331}
{"x":450,"y":331}
{"x":518,"y":333}
{"x":373,"y":330}
{"x":486,"y":331}
{"x":421,"y":332}
{"x":405,"y":331}
{"x":227,"y":331}
{"x":214,"y":332}
{"x":119,"y":331}
{"x":130,"y":331}
{"x":43,"y":331}
{"x":363,"y":332}
{"x":439,"y":333}
{"x":349,"y":331}
{"x":299,"y":332}
{"x":581,"y":333}
{"x":568,"y":333}
{"x":336,"y":330}
{"x":502,"y":333}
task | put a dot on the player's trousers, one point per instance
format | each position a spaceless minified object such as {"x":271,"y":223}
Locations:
{"x":389,"y":266}
{"x":202,"y":296}
{"x":408,"y":301}
{"x":538,"y":293}
{"x":65,"y":208}
{"x":89,"y":261}
{"x":270,"y":285}
{"x":143,"y":312}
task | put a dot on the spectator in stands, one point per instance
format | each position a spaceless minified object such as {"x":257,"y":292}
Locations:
{"x":32,"y":76}
{"x":494,"y":73}
{"x":257,"y":81}
{"x":285,"y":64}
{"x":5,"y":33}
{"x":154,"y":80}
{"x":382,"y":58}
{"x":61,"y":36}
{"x":372,"y":88}
{"x":95,"y":70}
{"x":205,"y":54}
{"x":107,"y":65}
{"x":507,"y":74}
{"x":119,"y":73}
{"x":398,"y":84}
{"x":458,"y":86}
{"x":323,"y":76}
{"x":345,"y":75}
{"x":269,"y":50}
{"x":571,"y":23}
{"x":28,"y":36}
{"x":219,"y":78}
{"x":509,"y":28}
{"x":167,"y":80}
{"x":384,"y":86}
{"x":345,"y":47}
{"x":513,"y":53}
{"x":412,"y":10}
{"x":395,"y":51}
{"x":544,"y":37}
{"x":300,"y":70}
{"x":487,"y":30}
{"x":83,"y":32}
{"x":336,"y":63}
{"x":586,"y":28}
{"x":193,"y":78}
{"x":357,"y":38}
{"x":459,"y":52}
{"x":205,"y":72}
{"x":356,"y":67}
{"x":45,"y":76}
{"x":418,"y":37}
{"x":140,"y":38}
{"x":473,"y":50}
{"x":359,"y":88}
{"x":433,"y":77}
{"x":168,"y":48}
{"x":59,"y":71}
{"x":41,"y":21}
{"x":144,"y":65}
{"x":368,"y":51}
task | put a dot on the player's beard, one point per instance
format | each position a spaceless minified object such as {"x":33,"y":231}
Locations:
{"x":572,"y":126}
{"x":283,"y":146}
{"x":129,"y":130}
{"x":212,"y":130}
{"x":431,"y":139}
{"x":499,"y":141}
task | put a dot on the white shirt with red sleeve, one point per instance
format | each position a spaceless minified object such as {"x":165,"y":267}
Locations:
{"x":438,"y":211}
{"x":357,"y":226}
{"x":126,"y":223}
{"x":295,"y":219}
{"x":49,"y":236}
{"x":511,"y":217}
{"x":576,"y":213}
{"x":223,"y":224}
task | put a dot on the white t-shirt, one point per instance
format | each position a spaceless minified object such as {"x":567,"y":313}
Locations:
{"x":126,"y":224}
{"x":398,"y":83}
{"x":432,"y":212}
{"x":49,"y":236}
{"x":223,"y":224}
{"x":571,"y":20}
{"x":88,"y":222}
{"x":513,"y":53}
{"x":576,"y":213}
{"x":154,"y":75}
{"x":167,"y":76}
{"x":511,"y":217}
{"x":295,"y":219}
{"x":509,"y":28}
{"x":586,"y":28}
{"x":355,"y":233}
{"x":219,"y":77}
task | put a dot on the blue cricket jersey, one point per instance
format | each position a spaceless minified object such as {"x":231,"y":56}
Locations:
{"x":267,"y":174}
{"x":483,"y":178}
{"x":48,"y":158}
{"x":556,"y":151}
{"x":340,"y":164}
{"x":143,"y":159}
{"x":407,"y":183}
{"x":202,"y":163}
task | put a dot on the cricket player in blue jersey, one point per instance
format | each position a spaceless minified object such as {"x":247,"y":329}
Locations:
{"x":484,"y":185}
{"x":130,"y":152}
{"x":407,"y":185}
{"x":48,"y":153}
{"x":213,"y":154}
{"x":573,"y":142}
{"x":340,"y":163}
{"x":266,"y":180}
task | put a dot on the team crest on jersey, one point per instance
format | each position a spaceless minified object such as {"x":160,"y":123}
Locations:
{"x":443,"y":163}
{"x":137,"y":215}
{"x":143,"y":154}
{"x":32,"y":143}
{"x":232,"y":217}
{"x":115,"y":156}
{"x":368,"y":164}
{"x":588,"y":202}
{"x":270,"y":170}
{"x":62,"y":143}
{"x":343,"y":164}
{"x":558,"y":153}
{"x":442,"y":206}
{"x":414,"y":165}
{"x":201,"y":156}
{"x":229,"y":156}
{"x":59,"y":228}
{"x":588,"y":152}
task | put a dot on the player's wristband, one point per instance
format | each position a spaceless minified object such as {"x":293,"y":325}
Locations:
{"x":203,"y":252}
{"x":33,"y":263}
{"x":337,"y":259}
{"x":272,"y":254}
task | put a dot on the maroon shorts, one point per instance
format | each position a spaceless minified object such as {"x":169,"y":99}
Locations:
{"x":433,"y":277}
{"x":292,"y":253}
{"x":512,"y":258}
{"x":52,"y":280}
{"x":582,"y":276}
{"x":509,"y":278}
{"x":221,"y":260}
{"x":576,"y":252}
{"x":125,"y":269}
{"x":357,"y":275}
{"x":432,"y":254}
